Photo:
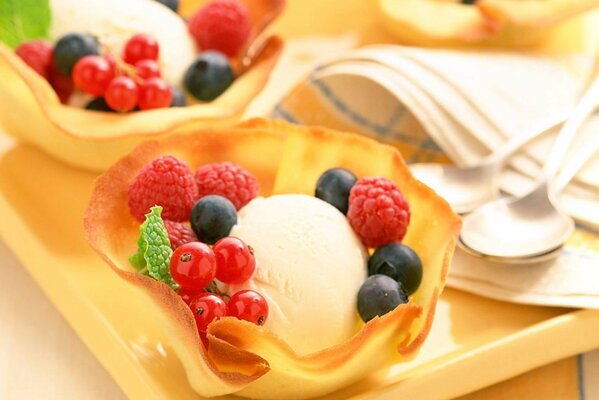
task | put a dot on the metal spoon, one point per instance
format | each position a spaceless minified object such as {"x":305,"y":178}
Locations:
{"x":468,"y":188}
{"x":567,"y":174}
{"x":531,"y":225}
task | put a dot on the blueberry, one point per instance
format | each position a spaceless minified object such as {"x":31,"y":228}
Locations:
{"x":172,"y":4}
{"x":208,"y":76}
{"x":98,"y":104}
{"x":378,"y":295}
{"x":179,"y":99}
{"x":212,"y":218}
{"x":399,"y":262}
{"x":334,"y":186}
{"x":70,"y":48}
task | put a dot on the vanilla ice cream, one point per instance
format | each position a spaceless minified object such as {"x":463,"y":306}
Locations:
{"x":310,"y":266}
{"x":113,"y":22}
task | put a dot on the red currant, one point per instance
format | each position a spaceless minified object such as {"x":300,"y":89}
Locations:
{"x":187,"y":295}
{"x":207,"y":308}
{"x":249,"y":306}
{"x":110,"y":58}
{"x":235,"y":260}
{"x":62,"y":85}
{"x":140,"y":47}
{"x":147,"y":69}
{"x":193,"y":265}
{"x":38,"y":55}
{"x":92,"y":74}
{"x":121,"y":94}
{"x":154,"y":93}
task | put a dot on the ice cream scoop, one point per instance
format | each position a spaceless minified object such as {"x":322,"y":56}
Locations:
{"x":113,"y":22}
{"x":310,"y":266}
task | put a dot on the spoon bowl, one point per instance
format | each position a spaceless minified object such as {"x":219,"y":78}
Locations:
{"x":517,"y":228}
{"x":548,"y":256}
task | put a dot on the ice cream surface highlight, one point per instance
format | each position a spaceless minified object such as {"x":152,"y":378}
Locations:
{"x":113,"y":22}
{"x":310,"y":266}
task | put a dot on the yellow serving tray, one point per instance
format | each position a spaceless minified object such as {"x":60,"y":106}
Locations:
{"x":474,"y":342}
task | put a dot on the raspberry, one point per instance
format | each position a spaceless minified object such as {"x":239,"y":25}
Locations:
{"x":179,"y":234}
{"x":378,"y":212}
{"x":227,"y":180}
{"x":38,"y":55}
{"x":166,"y":182}
{"x":222,"y":25}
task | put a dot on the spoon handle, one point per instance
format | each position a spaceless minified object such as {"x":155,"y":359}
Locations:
{"x":560,"y":147}
{"x":582,"y":157}
{"x":515,"y":144}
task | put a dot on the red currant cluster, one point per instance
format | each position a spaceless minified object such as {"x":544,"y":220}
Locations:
{"x":133,"y":82}
{"x":124,"y":84}
{"x":195,"y":265}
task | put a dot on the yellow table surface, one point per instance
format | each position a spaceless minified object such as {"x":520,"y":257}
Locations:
{"x":41,"y":356}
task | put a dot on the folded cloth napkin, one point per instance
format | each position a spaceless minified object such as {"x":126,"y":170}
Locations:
{"x":444,"y":105}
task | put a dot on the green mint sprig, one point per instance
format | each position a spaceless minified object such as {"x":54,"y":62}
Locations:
{"x":154,"y":249}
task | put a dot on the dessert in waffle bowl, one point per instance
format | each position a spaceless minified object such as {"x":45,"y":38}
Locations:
{"x":67,"y":111}
{"x":300,"y":335}
{"x":482,"y":22}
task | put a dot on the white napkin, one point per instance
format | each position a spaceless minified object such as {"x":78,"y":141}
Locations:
{"x":470,"y":104}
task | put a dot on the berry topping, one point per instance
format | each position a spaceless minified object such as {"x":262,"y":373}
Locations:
{"x":235,"y":260}
{"x":92,"y":74}
{"x":228,"y":180}
{"x":188,"y":295}
{"x":179,"y":99}
{"x":154,"y":93}
{"x":222,"y":25}
{"x":248,"y":305}
{"x":38,"y":55}
{"x":378,"y":212}
{"x":122,"y":94}
{"x":147,"y":69}
{"x":98,"y":104}
{"x":212,"y":218}
{"x":179,"y":234}
{"x":378,"y":295}
{"x":334,"y":186}
{"x":71,"y":48}
{"x":397,"y":261}
{"x":193,"y":266}
{"x":140,"y":47}
{"x":165,"y":181}
{"x":207,"y":308}
{"x":208,"y":76}
{"x":172,"y":4}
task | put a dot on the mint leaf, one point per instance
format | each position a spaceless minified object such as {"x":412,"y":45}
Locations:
{"x":154,"y":248}
{"x":23,"y":20}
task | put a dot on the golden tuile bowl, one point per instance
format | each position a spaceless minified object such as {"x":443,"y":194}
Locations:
{"x":244,"y":358}
{"x":31,"y":111}
{"x":503,"y":23}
